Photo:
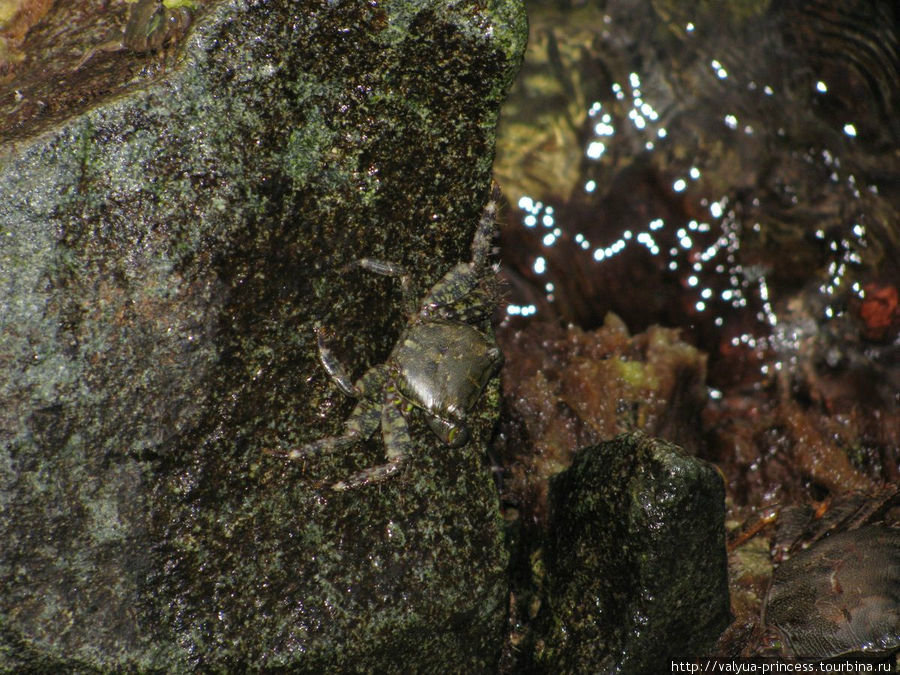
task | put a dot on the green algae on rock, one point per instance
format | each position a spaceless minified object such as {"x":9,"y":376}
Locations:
{"x":636,"y":560}
{"x":567,"y":388}
{"x":165,"y":254}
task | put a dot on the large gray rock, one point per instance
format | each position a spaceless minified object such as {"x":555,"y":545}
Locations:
{"x":636,"y":560}
{"x":164,"y":257}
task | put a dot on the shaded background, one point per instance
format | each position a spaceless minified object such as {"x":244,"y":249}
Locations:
{"x":731,"y":171}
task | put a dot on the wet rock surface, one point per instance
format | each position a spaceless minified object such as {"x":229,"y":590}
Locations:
{"x":165,"y":256}
{"x":636,"y":561}
{"x":566,"y":388}
{"x":176,"y":221}
{"x":567,"y":391}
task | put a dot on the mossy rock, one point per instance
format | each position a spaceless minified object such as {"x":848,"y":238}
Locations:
{"x":166,"y":251}
{"x":636,"y":560}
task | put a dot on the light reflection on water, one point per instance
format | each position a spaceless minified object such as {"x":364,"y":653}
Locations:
{"x":730,"y":169}
{"x":715,"y":172}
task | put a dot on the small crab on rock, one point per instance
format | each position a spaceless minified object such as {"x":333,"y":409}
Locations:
{"x":439,"y":366}
{"x":151,"y":25}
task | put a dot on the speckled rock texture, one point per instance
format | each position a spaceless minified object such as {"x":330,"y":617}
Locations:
{"x":165,"y":254}
{"x":636,"y":561}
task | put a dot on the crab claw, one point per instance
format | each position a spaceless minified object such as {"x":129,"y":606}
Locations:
{"x":452,"y":433}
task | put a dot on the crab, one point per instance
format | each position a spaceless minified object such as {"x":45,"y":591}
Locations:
{"x":840,"y":597}
{"x":151,"y":24}
{"x":439,"y":366}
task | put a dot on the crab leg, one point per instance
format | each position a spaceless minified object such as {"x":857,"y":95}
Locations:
{"x":458,"y":295}
{"x":364,"y":419}
{"x":367,"y":385}
{"x":484,"y":235}
{"x":397,"y":444}
{"x":389,"y":269}
{"x":334,"y":367}
{"x":361,"y":424}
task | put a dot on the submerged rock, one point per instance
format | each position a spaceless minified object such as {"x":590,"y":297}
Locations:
{"x":165,"y":255}
{"x":636,"y":561}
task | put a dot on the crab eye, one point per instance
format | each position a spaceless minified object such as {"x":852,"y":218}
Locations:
{"x":458,"y":437}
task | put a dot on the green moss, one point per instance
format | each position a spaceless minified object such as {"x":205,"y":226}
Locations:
{"x":636,"y":561}
{"x":636,"y":375}
{"x":170,"y":251}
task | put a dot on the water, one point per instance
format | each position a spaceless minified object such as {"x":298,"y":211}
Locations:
{"x":732,"y":174}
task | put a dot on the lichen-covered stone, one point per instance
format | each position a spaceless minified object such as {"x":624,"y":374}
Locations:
{"x":636,"y":561}
{"x":164,"y":256}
